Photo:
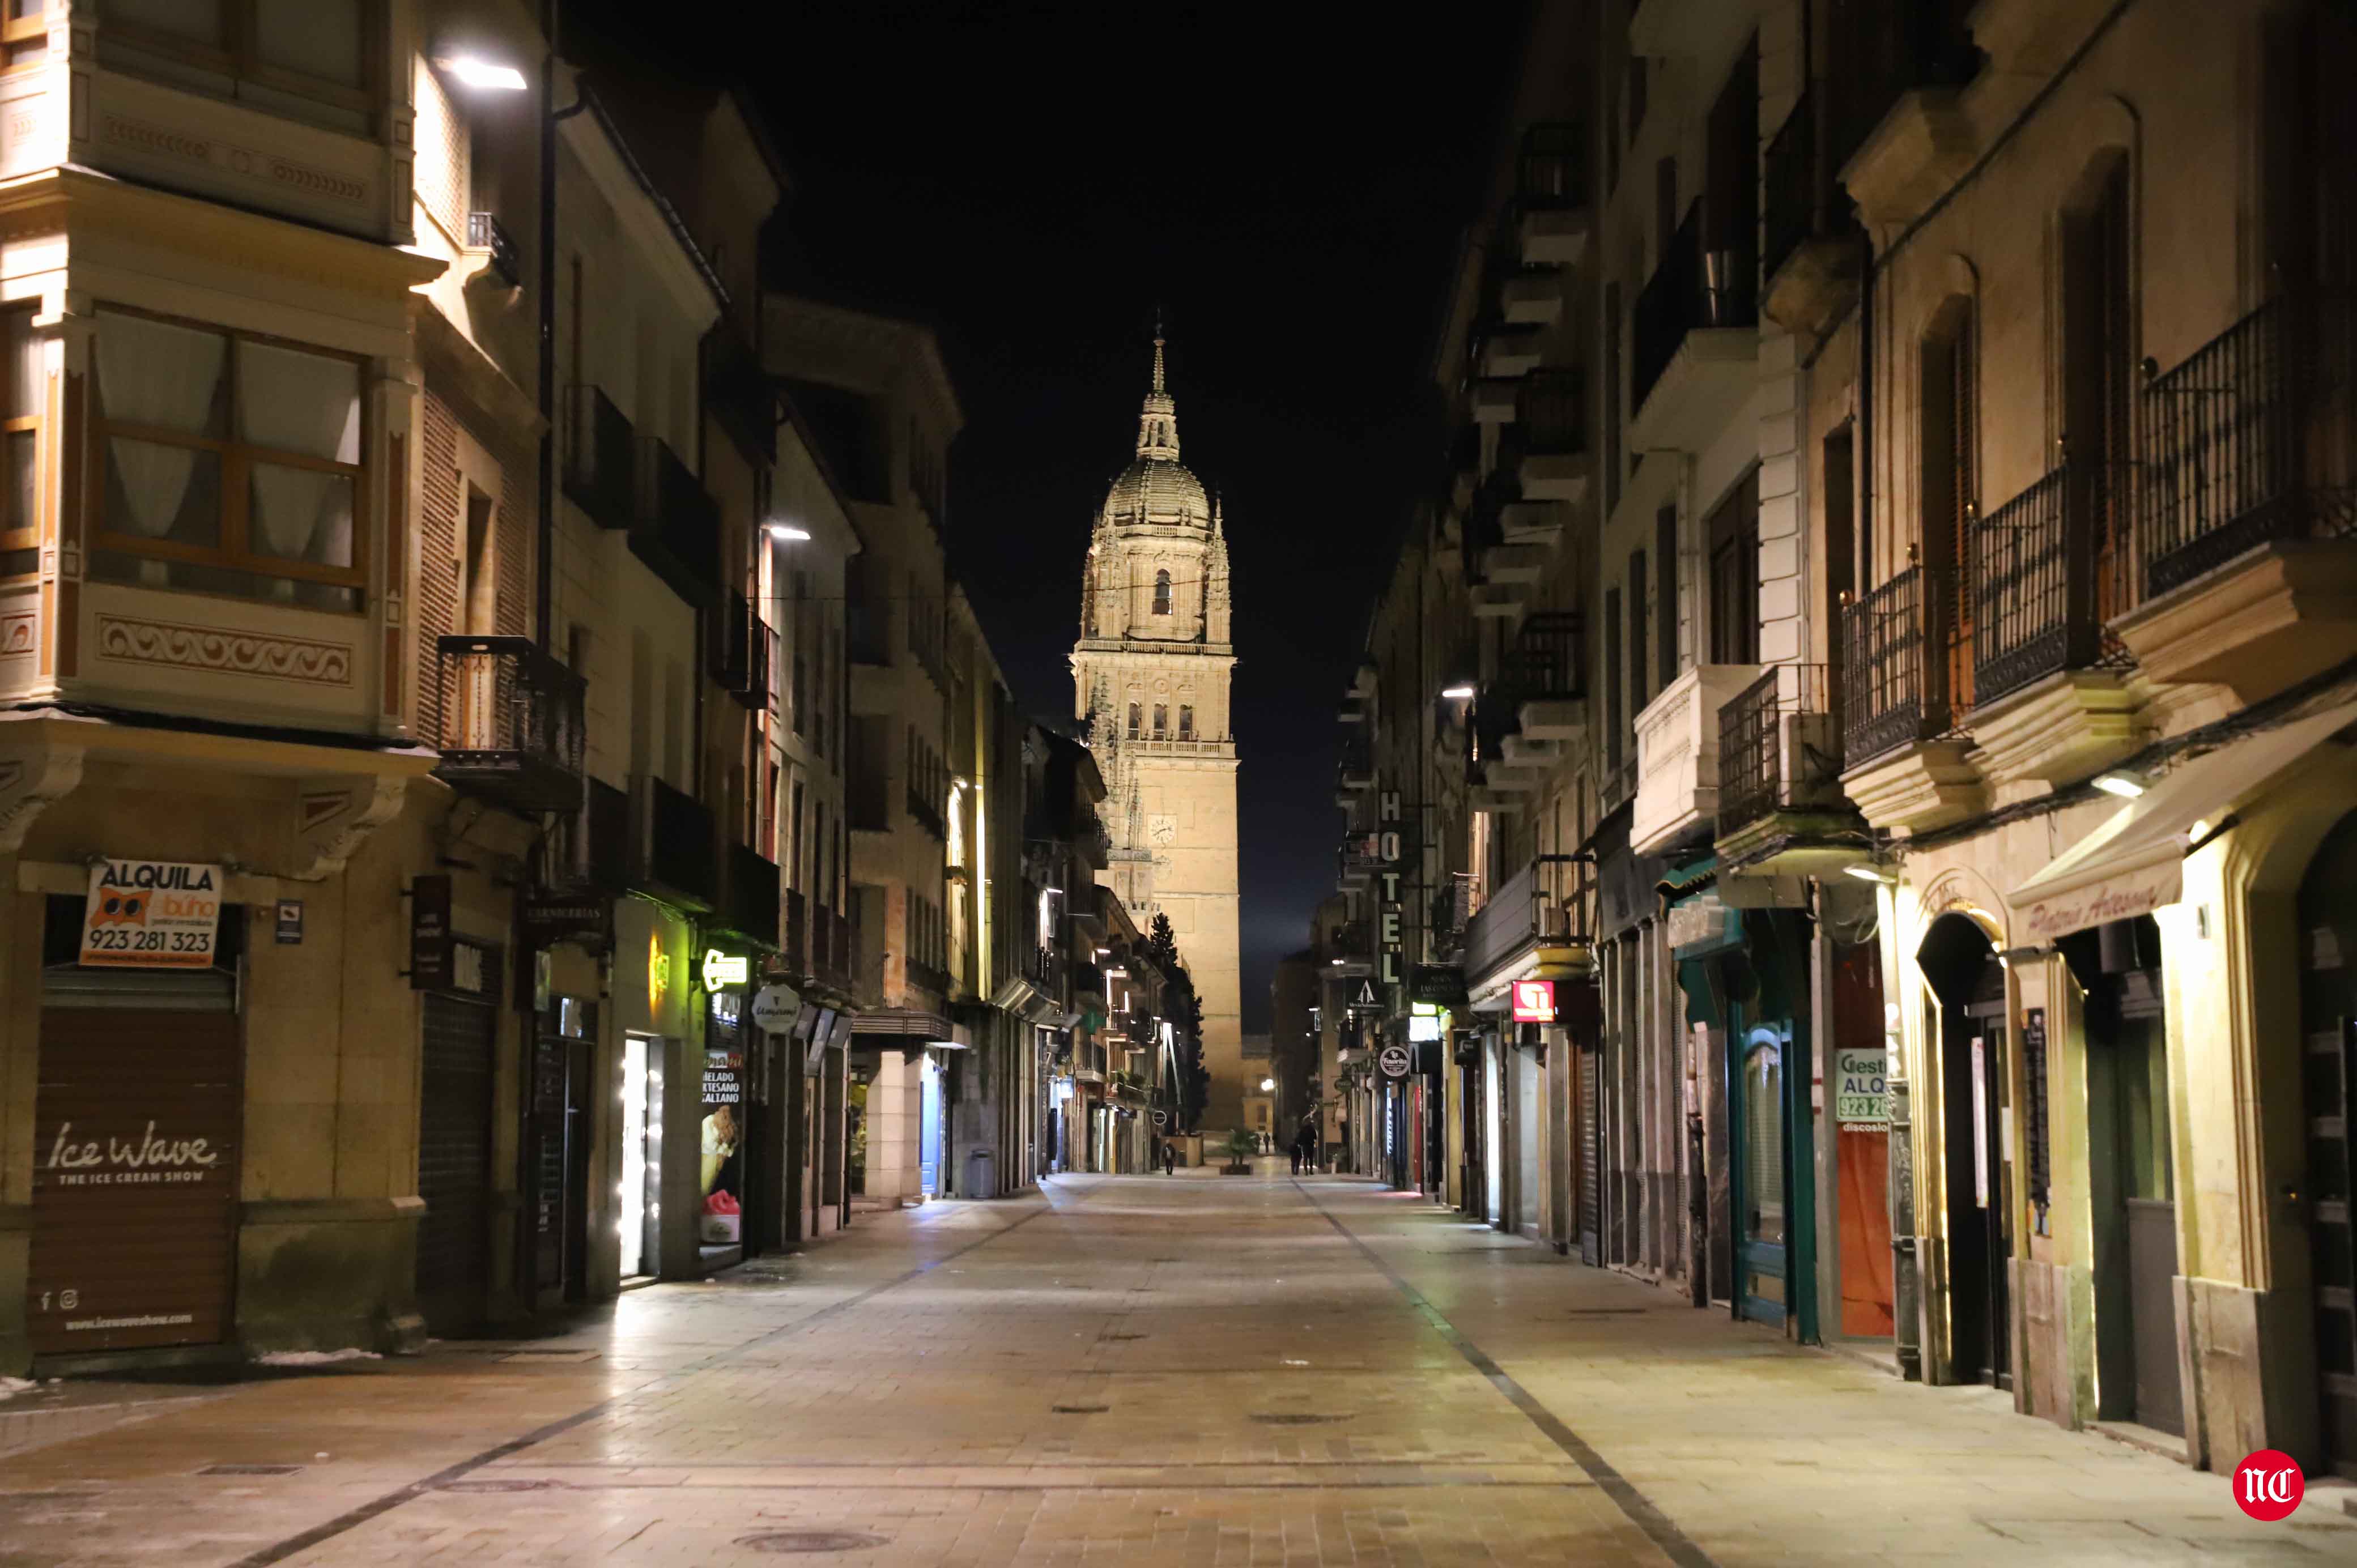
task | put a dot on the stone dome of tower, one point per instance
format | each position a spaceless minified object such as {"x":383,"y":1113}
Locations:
{"x":1156,"y":488}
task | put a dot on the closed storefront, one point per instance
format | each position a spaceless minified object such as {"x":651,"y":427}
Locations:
{"x":136,"y":1138}
{"x":454,"y":1160}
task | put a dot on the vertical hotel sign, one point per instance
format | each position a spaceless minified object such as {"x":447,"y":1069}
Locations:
{"x":1387,"y":849}
{"x":151,"y":914}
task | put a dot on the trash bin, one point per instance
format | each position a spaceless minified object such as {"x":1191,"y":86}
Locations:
{"x":978,"y":1182}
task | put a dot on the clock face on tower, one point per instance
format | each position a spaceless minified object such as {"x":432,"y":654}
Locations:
{"x":1164,"y":829}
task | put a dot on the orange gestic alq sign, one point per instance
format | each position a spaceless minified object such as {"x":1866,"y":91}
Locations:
{"x":151,"y":914}
{"x":1534,"y":1002}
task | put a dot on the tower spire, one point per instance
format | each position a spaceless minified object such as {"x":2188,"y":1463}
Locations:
{"x":1157,"y":350}
{"x":1158,"y":422}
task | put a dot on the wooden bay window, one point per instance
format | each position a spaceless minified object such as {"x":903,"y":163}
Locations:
{"x":228,"y":463}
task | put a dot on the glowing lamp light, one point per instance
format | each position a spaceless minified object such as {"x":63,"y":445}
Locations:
{"x":1457,"y":693}
{"x":1870,"y":874}
{"x":475,"y":71}
{"x":723,"y":970}
{"x":1266,"y":1084}
{"x":787,"y":531}
{"x":2126,"y":785}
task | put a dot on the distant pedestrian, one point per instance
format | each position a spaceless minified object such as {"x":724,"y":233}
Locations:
{"x":1170,"y":1156}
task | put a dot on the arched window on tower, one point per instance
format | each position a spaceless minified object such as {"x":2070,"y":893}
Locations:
{"x":1186,"y":721}
{"x":1162,"y":593}
{"x":1161,"y":720}
{"x":1137,"y":716}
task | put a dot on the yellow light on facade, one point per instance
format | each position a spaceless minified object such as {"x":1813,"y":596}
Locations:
{"x":788,"y":531}
{"x":658,"y":972}
{"x":2126,"y":786}
{"x":1871,"y":874}
{"x":1457,"y":693}
{"x":1266,"y":1084}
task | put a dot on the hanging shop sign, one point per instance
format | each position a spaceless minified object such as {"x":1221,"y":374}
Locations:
{"x":821,"y":1020}
{"x":775,"y":1009}
{"x":151,"y":914}
{"x":1394,"y":1060}
{"x":723,"y":970}
{"x":547,"y":916}
{"x":429,"y":933}
{"x":1161,"y":1118}
{"x":1425,"y":1027}
{"x":1861,"y":1093}
{"x":1534,"y":1002}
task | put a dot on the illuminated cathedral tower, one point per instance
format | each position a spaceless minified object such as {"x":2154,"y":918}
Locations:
{"x":1150,"y":673}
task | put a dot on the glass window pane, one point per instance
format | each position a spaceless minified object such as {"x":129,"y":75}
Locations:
{"x":156,"y":491}
{"x":318,"y":38}
{"x":301,"y":514}
{"x":160,"y":374}
{"x":196,"y":20}
{"x":296,"y":401}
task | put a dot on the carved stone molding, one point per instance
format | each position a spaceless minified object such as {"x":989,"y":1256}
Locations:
{"x":221,"y":649}
{"x":334,"y":815}
{"x":31,"y":778}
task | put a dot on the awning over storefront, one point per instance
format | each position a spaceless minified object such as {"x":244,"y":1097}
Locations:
{"x":2133,"y":861}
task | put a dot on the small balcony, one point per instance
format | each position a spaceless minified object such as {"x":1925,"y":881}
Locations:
{"x":2249,"y":515}
{"x":1504,"y":349}
{"x":511,"y":723}
{"x":1350,"y":950}
{"x":1695,"y":341}
{"x":488,"y":235}
{"x":1551,"y":438}
{"x":1551,"y":196}
{"x":1781,"y":808}
{"x":677,"y":532}
{"x":741,"y":651}
{"x":749,"y":903}
{"x":1355,"y":769}
{"x":679,"y":846}
{"x":604,"y":857}
{"x":1678,"y":758}
{"x":794,"y":934}
{"x":1541,"y":684}
{"x":926,"y":813}
{"x":601,"y":459}
{"x":1358,"y":862}
{"x":738,"y":392}
{"x":1897,"y":658}
{"x":1536,"y":923}
{"x":1811,"y":249}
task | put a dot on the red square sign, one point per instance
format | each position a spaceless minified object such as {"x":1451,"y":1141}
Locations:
{"x":1534,"y":1002}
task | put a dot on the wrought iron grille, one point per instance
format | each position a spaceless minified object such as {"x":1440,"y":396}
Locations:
{"x":2031,"y":612}
{"x":486,"y":233}
{"x":1789,"y":186}
{"x":1894,"y":675}
{"x":1691,"y":288}
{"x":1551,"y":171}
{"x":1749,"y":754}
{"x":1550,"y":414}
{"x":512,"y":721}
{"x":1545,"y":662}
{"x":2251,"y":440}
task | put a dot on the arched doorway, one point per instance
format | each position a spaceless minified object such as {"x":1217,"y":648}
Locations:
{"x":2328,"y":1003}
{"x":1960,"y":964}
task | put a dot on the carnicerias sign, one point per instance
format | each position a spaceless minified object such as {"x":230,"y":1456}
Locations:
{"x":151,"y":914}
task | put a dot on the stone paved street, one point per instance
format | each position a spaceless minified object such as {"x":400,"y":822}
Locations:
{"x":1127,"y":1369}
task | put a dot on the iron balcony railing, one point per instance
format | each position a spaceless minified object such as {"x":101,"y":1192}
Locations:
{"x":681,"y":846}
{"x":751,"y":902}
{"x":677,"y":533}
{"x":926,"y":813}
{"x":1355,"y":769}
{"x":601,"y":459}
{"x":1543,"y":664}
{"x":1543,"y":905}
{"x":1690,"y":289}
{"x":512,"y":721}
{"x":794,"y":933}
{"x":741,"y":651}
{"x":1789,"y":188}
{"x":2030,"y":612}
{"x":604,"y":856}
{"x":1551,"y":168}
{"x":486,"y":233}
{"x":1550,"y":415}
{"x":1894,"y":665}
{"x":1766,"y":764}
{"x":2252,"y":440}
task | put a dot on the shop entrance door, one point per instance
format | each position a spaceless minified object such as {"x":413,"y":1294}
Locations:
{"x":641,"y":1155}
{"x":2328,"y":947}
{"x":135,"y":1130}
{"x":928,"y":1137}
{"x":1756,"y":1159}
{"x":1958,"y":963}
{"x":454,"y":1163}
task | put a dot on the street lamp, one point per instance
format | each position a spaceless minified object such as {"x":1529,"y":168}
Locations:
{"x":474,"y":71}
{"x":1266,"y":1084}
{"x":787,"y":531}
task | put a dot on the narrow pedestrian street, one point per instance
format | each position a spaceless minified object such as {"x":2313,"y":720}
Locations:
{"x":1129,"y":1370}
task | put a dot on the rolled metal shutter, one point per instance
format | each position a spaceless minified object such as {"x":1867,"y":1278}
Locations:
{"x":454,"y":1161}
{"x":135,"y":1222}
{"x":1591,"y":1164}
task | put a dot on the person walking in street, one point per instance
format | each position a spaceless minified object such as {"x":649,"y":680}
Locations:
{"x":1170,"y":1156}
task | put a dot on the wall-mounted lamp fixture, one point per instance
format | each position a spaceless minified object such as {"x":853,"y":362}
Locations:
{"x":472,"y":70}
{"x":2126,"y":785}
{"x":787,"y":531}
{"x":1871,"y":874}
{"x":1457,"y":693}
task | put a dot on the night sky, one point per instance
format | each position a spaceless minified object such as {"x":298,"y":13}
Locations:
{"x":1033,"y":181}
